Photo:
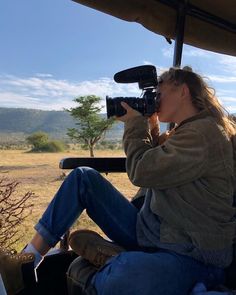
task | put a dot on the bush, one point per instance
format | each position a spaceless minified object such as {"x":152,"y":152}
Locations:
{"x":53,"y":146}
{"x":37,"y":140}
{"x":14,"y":210}
{"x":40,"y":143}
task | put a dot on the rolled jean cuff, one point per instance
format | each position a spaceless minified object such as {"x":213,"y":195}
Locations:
{"x":47,"y":236}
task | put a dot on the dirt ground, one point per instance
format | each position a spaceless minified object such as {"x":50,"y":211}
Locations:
{"x":40,"y":174}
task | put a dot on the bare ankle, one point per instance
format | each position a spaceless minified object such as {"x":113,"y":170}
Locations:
{"x":40,"y":244}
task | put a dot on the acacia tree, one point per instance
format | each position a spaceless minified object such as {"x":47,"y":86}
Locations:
{"x":91,"y":126}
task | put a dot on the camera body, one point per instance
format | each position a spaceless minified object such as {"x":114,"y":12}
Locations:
{"x":148,"y":104}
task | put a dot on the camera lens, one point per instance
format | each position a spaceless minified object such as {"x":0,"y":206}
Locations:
{"x":109,"y":107}
{"x":145,"y":105}
{"x":114,"y":107}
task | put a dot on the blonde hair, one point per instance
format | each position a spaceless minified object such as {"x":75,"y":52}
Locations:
{"x":203,"y":96}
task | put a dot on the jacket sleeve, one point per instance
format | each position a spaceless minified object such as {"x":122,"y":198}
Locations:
{"x":233,"y":139}
{"x":180,"y":159}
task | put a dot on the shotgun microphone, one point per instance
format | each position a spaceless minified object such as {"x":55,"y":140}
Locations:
{"x":146,"y":76}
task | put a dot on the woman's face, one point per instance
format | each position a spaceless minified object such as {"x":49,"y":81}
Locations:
{"x":170,"y":102}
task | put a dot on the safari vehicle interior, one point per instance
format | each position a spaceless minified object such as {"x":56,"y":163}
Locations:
{"x":205,"y":24}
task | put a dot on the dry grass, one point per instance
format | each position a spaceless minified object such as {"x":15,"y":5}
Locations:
{"x":40,"y":173}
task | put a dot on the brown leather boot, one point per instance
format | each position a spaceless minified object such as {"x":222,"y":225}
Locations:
{"x":93,"y":247}
{"x":11,"y":265}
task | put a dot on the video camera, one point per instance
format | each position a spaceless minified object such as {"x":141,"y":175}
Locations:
{"x":146,"y":76}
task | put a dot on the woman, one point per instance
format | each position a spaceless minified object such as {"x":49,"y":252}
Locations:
{"x":184,"y":232}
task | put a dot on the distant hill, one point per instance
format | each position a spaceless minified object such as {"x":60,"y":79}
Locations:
{"x":30,"y":120}
{"x":20,"y":122}
{"x":17,"y":123}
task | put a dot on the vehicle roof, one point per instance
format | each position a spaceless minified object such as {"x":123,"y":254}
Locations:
{"x":210,"y":24}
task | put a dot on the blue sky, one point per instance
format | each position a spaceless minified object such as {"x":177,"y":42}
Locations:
{"x":54,"y":50}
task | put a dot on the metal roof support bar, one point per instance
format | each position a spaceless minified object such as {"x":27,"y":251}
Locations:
{"x":200,"y":14}
{"x":179,"y":40}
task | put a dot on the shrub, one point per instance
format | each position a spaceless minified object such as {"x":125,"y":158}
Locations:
{"x":14,"y":210}
{"x":40,"y":143}
{"x":37,"y":140}
{"x":53,"y":146}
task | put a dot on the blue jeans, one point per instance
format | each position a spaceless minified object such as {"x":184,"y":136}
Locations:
{"x":133,"y":272}
{"x":159,"y":273}
{"x":85,"y":188}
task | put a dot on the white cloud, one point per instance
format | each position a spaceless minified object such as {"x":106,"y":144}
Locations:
{"x":48,"y":93}
{"x":229,"y":64}
{"x":222,"y":79}
{"x":146,"y":62}
{"x":11,"y":99}
{"x":43,"y":75}
{"x":196,"y":52}
{"x":187,"y":51}
{"x":167,"y":52}
{"x":228,"y":99}
{"x":160,"y":70}
{"x":231,"y":109}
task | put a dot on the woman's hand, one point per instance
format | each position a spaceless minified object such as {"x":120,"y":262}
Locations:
{"x":154,"y":128}
{"x":153,"y":122}
{"x":130,"y":113}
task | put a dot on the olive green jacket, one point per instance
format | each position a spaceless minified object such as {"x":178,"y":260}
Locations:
{"x":191,"y":176}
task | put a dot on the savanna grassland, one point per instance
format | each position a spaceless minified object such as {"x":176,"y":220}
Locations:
{"x":40,"y":174}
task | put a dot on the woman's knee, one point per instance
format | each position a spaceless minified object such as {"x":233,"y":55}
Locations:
{"x":86,"y":174}
{"x":91,"y":184}
{"x":84,"y":170}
